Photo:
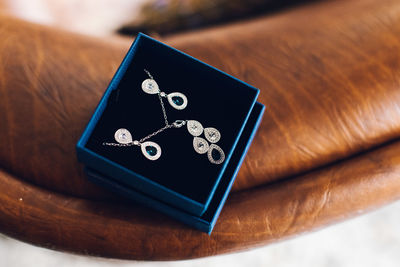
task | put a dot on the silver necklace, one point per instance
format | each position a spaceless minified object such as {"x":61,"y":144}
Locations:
{"x":152,"y":150}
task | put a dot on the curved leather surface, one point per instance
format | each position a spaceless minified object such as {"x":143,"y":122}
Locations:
{"x":51,"y":83}
{"x":250,"y":218}
{"x":331,"y":88}
{"x":330,"y":84}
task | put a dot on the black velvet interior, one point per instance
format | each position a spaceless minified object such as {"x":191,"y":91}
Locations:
{"x":214,"y":99}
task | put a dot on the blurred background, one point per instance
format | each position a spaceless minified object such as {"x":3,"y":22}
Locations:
{"x":106,"y":17}
{"x":370,"y":240}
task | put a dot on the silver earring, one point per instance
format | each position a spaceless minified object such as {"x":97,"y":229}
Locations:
{"x":175,"y":99}
{"x":215,"y":154}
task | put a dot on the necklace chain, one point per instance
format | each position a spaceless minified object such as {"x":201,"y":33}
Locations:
{"x":156,"y":132}
{"x":163,"y":109}
{"x":148,"y":74}
{"x":159,"y":97}
{"x":175,"y":124}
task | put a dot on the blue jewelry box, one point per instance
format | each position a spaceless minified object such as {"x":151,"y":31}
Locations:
{"x":181,"y":183}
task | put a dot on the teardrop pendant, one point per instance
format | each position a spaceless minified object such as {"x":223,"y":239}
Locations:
{"x":212,"y":134}
{"x":194,"y":127}
{"x":215,"y":154}
{"x":151,"y":150}
{"x":177,"y":100}
{"x":200,"y":145}
{"x":150,"y":86}
{"x":123,"y":136}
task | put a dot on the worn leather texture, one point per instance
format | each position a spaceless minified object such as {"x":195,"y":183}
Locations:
{"x":326,"y":150}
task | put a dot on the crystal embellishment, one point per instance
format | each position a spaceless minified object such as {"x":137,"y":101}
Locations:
{"x":212,"y":134}
{"x":200,"y":145}
{"x":194,"y":127}
{"x":151,"y":150}
{"x":123,"y":136}
{"x":150,"y":86}
{"x":215,"y":154}
{"x":177,"y":100}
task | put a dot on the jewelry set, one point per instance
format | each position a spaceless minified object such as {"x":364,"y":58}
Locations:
{"x":152,"y":150}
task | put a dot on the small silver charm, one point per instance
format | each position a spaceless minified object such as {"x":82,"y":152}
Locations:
{"x":194,"y":127}
{"x":177,"y":100}
{"x":123,"y":136}
{"x":151,"y":150}
{"x":150,"y":86}
{"x":212,"y":134}
{"x":200,"y":145}
{"x":216,"y":158}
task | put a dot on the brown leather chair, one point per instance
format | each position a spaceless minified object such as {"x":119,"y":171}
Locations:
{"x":326,"y":150}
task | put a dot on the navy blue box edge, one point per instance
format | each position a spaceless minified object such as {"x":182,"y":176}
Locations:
{"x":86,"y":156}
{"x":189,"y":219}
{"x":141,"y":183}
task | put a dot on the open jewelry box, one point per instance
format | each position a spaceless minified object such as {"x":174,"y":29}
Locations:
{"x":187,"y":185}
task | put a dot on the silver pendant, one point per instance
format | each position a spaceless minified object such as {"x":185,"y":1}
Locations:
{"x":177,"y":100}
{"x":212,"y":134}
{"x":218,"y":156}
{"x":151,"y":150}
{"x":194,"y":127}
{"x":200,"y":145}
{"x":123,"y":136}
{"x":150,"y":86}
